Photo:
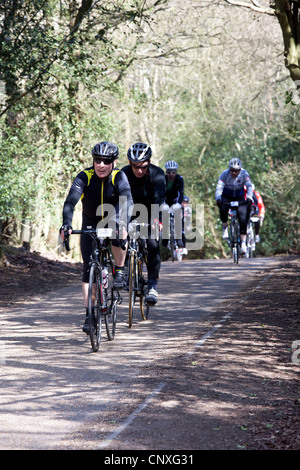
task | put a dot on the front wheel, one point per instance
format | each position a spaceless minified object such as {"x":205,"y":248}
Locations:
{"x":95,"y":301}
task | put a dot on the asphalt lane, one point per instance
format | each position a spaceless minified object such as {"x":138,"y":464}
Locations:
{"x":55,"y":390}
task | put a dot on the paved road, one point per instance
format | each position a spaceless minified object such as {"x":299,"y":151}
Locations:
{"x":57,"y":393}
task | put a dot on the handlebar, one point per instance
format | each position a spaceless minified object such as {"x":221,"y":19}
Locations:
{"x":98,"y":233}
{"x":234,"y":204}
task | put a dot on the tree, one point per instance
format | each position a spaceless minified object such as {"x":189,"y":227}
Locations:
{"x":288,"y":15}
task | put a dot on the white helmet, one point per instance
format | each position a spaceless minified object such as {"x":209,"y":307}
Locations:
{"x":171,"y":165}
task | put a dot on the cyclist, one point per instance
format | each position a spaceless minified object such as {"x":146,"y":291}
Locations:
{"x":96,"y":186}
{"x":230,"y":187}
{"x":148,"y":186}
{"x":174,"y":193}
{"x":187,"y":213}
{"x":260,"y":211}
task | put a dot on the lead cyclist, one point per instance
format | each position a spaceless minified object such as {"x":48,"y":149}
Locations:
{"x":96,"y":186}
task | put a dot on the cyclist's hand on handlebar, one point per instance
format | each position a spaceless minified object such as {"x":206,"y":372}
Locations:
{"x":218,"y":202}
{"x":160,"y":225}
{"x":65,"y":231}
{"x":249,"y":201}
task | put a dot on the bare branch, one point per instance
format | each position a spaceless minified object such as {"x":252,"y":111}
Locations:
{"x":254,"y":5}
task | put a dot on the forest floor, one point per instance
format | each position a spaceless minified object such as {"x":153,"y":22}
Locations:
{"x":25,"y":274}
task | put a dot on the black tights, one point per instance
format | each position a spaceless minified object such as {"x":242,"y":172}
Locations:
{"x":243,"y":212}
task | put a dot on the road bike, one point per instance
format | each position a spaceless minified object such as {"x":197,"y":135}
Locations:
{"x":250,"y":238}
{"x":137,"y":258}
{"x":103,"y":298}
{"x":234,"y":240}
{"x":176,"y":251}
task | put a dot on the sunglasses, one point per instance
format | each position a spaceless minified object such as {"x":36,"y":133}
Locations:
{"x":235,"y":171}
{"x":99,"y":160}
{"x":139,"y":167}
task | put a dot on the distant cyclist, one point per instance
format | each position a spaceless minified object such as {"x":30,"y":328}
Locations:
{"x":174,"y":191}
{"x":260,"y":211}
{"x":187,"y":213}
{"x":230,"y":187}
{"x":148,"y":186}
{"x":98,"y":185}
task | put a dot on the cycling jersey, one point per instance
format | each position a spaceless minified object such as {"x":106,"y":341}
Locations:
{"x":149,"y":189}
{"x":95,"y":192}
{"x":233,"y":188}
{"x":174,"y":190}
{"x":260,"y":204}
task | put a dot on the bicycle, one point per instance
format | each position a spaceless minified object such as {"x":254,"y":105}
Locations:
{"x":234,"y":240}
{"x":102,"y":297}
{"x":250,"y":238}
{"x":137,"y":259}
{"x":176,"y":252}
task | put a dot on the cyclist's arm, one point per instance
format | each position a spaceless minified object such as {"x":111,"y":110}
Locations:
{"x":73,"y":197}
{"x":180,"y":189}
{"x":125,"y":201}
{"x":159,"y":187}
{"x":248,"y":185}
{"x":219,"y":189}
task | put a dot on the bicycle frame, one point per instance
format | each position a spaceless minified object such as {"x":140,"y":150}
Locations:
{"x":176,"y":252}
{"x":234,"y":232}
{"x":99,"y":297}
{"x":137,"y":252}
{"x":250,"y":239}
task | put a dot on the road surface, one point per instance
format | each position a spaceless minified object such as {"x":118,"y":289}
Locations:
{"x":58,"y":394}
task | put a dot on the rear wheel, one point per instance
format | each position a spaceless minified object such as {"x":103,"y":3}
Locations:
{"x":236,"y":242}
{"x":172,"y":241}
{"x":131,"y":285}
{"x":141,"y":288}
{"x":110,"y":302}
{"x":95,"y":301}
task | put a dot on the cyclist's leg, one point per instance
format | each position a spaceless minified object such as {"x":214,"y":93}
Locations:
{"x":153,"y":267}
{"x":119,"y":256}
{"x":224,"y":218}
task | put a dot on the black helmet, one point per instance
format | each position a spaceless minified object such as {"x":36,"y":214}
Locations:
{"x":235,"y":164}
{"x":139,"y":152}
{"x":106,"y":150}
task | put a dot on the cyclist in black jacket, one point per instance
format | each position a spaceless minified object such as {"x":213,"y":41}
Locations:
{"x":96,"y":186}
{"x":148,"y":186}
{"x":174,"y":195}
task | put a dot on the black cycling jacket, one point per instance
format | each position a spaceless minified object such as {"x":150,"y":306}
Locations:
{"x":149,"y":189}
{"x":175,"y":191}
{"x":95,"y":192}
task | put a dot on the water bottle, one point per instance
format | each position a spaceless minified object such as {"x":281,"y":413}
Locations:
{"x":105,"y":277}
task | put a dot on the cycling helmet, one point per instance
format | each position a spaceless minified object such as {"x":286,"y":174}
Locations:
{"x":186,"y":199}
{"x":171,"y":165}
{"x":106,"y":150}
{"x":235,"y":164}
{"x":139,"y":152}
